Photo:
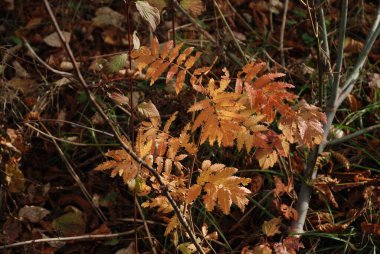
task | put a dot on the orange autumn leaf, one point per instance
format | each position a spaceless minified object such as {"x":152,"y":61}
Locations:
{"x":221,"y":187}
{"x":158,"y":61}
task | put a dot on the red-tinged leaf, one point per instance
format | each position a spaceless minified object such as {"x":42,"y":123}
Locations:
{"x":256,"y":183}
{"x":175,"y":51}
{"x":370,"y":228}
{"x":180,"y":80}
{"x":305,"y":125}
{"x":172,"y":71}
{"x":159,"y":72}
{"x":155,"y":47}
{"x":289,"y":212}
{"x":193,"y":193}
{"x":165,"y":51}
{"x":191,"y":60}
{"x":281,"y":188}
{"x":293,"y":243}
{"x":182,"y":57}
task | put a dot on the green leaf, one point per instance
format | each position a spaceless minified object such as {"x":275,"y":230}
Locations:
{"x":70,"y":224}
{"x":117,"y":63}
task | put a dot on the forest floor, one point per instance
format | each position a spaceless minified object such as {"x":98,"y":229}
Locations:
{"x":52,"y":137}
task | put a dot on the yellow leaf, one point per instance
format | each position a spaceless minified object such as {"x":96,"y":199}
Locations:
{"x":270,"y":228}
{"x":193,"y":193}
{"x":266,"y":157}
{"x":14,"y":176}
{"x":173,"y":223}
{"x":221,"y":187}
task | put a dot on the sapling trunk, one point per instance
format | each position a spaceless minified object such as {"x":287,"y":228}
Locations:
{"x":338,"y":94}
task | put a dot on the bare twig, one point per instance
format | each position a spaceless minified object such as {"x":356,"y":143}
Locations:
{"x":283,"y":25}
{"x":242,"y":19}
{"x":34,"y":54}
{"x":66,"y":239}
{"x":325,"y":43}
{"x":354,"y":73}
{"x":61,"y":139}
{"x":339,"y":61}
{"x":75,"y":176}
{"x":150,"y":238}
{"x":99,"y":109}
{"x":204,"y":32}
{"x":353,"y":135}
{"x":231,"y":32}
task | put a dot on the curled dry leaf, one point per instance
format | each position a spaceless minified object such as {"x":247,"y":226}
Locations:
{"x":32,"y":213}
{"x":148,"y":110}
{"x":149,"y":13}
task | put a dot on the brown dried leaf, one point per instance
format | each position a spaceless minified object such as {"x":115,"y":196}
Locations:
{"x":149,"y":13}
{"x":195,"y":7}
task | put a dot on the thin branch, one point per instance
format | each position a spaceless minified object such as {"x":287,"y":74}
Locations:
{"x":354,"y":73}
{"x":150,"y":238}
{"x":339,"y":61}
{"x":283,"y":25}
{"x":231,"y":32}
{"x":353,"y":135}
{"x":325,"y":43}
{"x":72,"y":124}
{"x":75,"y":176}
{"x":63,"y":140}
{"x":242,"y":19}
{"x":34,"y":54}
{"x":310,"y":173}
{"x":142,"y":221}
{"x":99,"y":109}
{"x":66,"y":239}
{"x":204,"y":32}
